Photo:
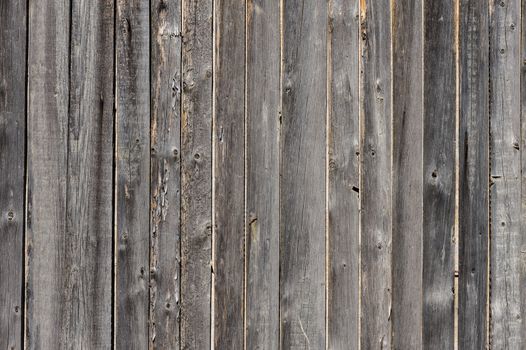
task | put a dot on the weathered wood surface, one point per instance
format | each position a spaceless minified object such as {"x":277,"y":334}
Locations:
{"x":507,"y":259}
{"x":376,"y":166}
{"x":229,"y":175}
{"x":263,"y":111}
{"x":407,"y":201}
{"x":132,"y":174}
{"x":473,"y":179}
{"x":70,"y":157}
{"x":165,"y":94}
{"x":303,"y":172}
{"x":439,"y":173}
{"x":13,"y":36}
{"x":196,"y":175}
{"x":343,"y":302}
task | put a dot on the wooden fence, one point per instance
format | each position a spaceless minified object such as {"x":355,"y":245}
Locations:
{"x":262,"y":174}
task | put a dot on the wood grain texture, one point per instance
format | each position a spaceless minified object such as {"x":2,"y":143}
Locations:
{"x":196,"y":175}
{"x":523,"y":173}
{"x":132,"y":174}
{"x":262,"y":157}
{"x":407,"y":175}
{"x":229,"y":176}
{"x":376,"y":181}
{"x":473,"y":175}
{"x":13,"y":36}
{"x":344,"y":181}
{"x":69,"y":209}
{"x":439,"y":173}
{"x":165,"y":137}
{"x":303,"y":175}
{"x":505,"y":169}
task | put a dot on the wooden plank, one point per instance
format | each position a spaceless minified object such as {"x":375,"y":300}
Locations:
{"x":407,"y":174}
{"x":343,"y":176}
{"x":505,"y":169}
{"x":229,"y":175}
{"x":303,"y":175}
{"x":13,"y":37}
{"x":439,"y":173}
{"x":262,"y":157}
{"x":69,"y":209}
{"x":196,"y":175}
{"x":473,"y":175}
{"x":132,"y":174}
{"x":523,"y":172}
{"x":165,"y":174}
{"x":376,"y":182}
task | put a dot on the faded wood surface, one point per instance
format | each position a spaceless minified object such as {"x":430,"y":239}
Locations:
{"x":196,"y":175}
{"x":13,"y":18}
{"x":262,"y":174}
{"x":132,"y":173}
{"x":439,"y":174}
{"x":473,"y":170}
{"x":505,"y":164}
{"x":407,"y":175}
{"x":343,"y":176}
{"x":376,"y":182}
{"x":165,"y":172}
{"x":229,"y":175}
{"x":303,"y":172}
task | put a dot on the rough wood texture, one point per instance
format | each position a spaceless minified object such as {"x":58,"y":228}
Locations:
{"x":12,"y":170}
{"x":303,"y":172}
{"x":407,"y":174}
{"x":196,"y":175}
{"x":165,"y":172}
{"x":229,"y":177}
{"x":439,"y":173}
{"x":376,"y":182}
{"x":473,"y":175}
{"x":505,"y":130}
{"x":69,"y":217}
{"x":344,"y":181}
{"x":132,"y":174}
{"x":262,"y":156}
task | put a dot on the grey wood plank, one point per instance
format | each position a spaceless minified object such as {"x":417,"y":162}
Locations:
{"x":165,"y":172}
{"x":69,"y":208}
{"x":13,"y":36}
{"x":132,"y":174}
{"x":523,"y":171}
{"x":439,"y":173}
{"x":473,"y":175}
{"x":263,"y":101}
{"x":407,"y":174}
{"x":303,"y":175}
{"x":196,"y":175}
{"x":505,"y":169}
{"x":343,"y":320}
{"x":376,"y":182}
{"x":229,"y":175}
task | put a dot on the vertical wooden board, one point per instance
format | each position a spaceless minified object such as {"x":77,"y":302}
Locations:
{"x":196,"y":175}
{"x":343,"y":198}
{"x":48,"y":303}
{"x":69,"y":216}
{"x":376,"y":182}
{"x":262,"y":157}
{"x":165,"y":172}
{"x":505,"y":169}
{"x":229,"y":176}
{"x":473,"y":174}
{"x":12,"y":169}
{"x":303,"y":175}
{"x":407,"y":174}
{"x":132,"y":174}
{"x":439,"y":173}
{"x":523,"y":172}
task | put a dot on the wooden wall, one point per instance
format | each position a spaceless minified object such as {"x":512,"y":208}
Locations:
{"x":262,"y":174}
